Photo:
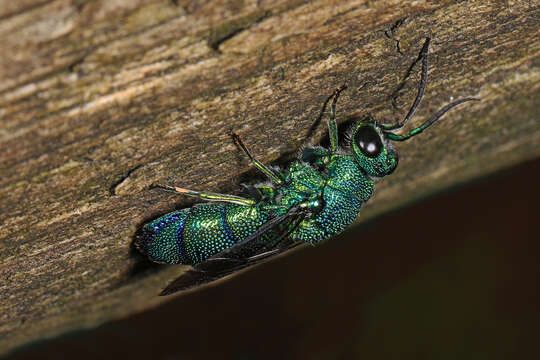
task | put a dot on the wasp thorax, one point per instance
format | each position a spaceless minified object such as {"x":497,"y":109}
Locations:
{"x":373,"y":152}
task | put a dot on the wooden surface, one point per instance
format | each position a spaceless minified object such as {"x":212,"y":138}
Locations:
{"x":101,"y":99}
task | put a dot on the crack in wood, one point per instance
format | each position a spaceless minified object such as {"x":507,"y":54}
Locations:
{"x":120,"y":181}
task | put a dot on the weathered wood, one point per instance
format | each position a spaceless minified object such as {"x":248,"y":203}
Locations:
{"x":98,"y":100}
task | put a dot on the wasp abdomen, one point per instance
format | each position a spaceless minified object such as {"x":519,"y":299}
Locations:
{"x":162,"y":239}
{"x":192,"y":235}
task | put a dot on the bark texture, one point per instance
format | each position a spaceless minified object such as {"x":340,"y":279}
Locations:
{"x":101,"y":99}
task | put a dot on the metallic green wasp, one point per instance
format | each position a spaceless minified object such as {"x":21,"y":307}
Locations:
{"x":316,"y":197}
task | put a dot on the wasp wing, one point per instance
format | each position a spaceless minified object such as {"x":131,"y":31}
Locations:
{"x":271,"y":239}
{"x":215,"y":269}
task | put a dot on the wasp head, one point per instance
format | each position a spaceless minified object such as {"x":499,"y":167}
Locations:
{"x":372,"y":149}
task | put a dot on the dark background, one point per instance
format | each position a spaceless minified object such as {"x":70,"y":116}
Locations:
{"x":455,"y":276}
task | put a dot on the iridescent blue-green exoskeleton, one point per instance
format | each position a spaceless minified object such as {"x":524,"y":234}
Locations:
{"x":317,"y":196}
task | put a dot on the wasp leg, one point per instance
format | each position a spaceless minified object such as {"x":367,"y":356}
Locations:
{"x":332,"y":126}
{"x":208,"y":195}
{"x":259,"y":165}
{"x":315,"y":155}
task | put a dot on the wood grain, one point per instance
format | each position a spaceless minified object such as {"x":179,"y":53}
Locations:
{"x":101,"y":99}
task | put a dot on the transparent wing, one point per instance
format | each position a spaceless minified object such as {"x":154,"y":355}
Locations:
{"x":271,"y":239}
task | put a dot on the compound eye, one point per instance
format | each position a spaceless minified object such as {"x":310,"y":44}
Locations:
{"x":369,"y":141}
